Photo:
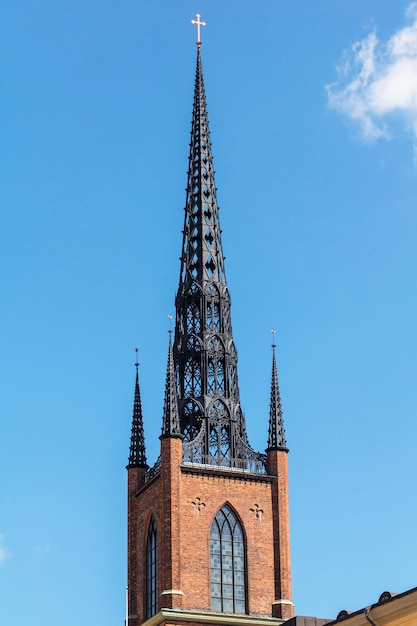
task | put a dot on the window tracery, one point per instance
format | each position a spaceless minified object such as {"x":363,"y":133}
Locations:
{"x":152,"y":570}
{"x":227,"y":563}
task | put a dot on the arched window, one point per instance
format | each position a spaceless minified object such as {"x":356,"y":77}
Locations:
{"x":152,"y":570}
{"x":219,"y":434}
{"x":227,"y":563}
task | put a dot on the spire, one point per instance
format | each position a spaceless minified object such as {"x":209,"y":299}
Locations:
{"x":210,"y":415}
{"x":170,"y":424}
{"x":137,"y":455}
{"x":276,"y":437}
{"x":202,"y":255}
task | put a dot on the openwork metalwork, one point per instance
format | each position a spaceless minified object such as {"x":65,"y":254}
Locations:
{"x":153,"y":471}
{"x":170,"y":422}
{"x":137,"y":452}
{"x":152,"y":570}
{"x":210,"y":417}
{"x":227,"y":563}
{"x":276,"y":435}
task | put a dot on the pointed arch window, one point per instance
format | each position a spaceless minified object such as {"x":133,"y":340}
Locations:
{"x":219,"y":443}
{"x":227,"y":563}
{"x":215,"y":367}
{"x":152,"y":570}
{"x":190,"y":421}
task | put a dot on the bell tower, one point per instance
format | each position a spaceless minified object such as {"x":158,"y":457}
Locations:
{"x":208,"y":523}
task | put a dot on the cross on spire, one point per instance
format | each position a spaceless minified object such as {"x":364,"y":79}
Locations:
{"x":198,"y":24}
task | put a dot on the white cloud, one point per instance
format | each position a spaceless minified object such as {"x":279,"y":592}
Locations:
{"x":378,"y":83}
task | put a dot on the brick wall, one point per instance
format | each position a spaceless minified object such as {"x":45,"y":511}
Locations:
{"x":184,"y":502}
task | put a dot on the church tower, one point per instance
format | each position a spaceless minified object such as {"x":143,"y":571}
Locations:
{"x":208,"y":524}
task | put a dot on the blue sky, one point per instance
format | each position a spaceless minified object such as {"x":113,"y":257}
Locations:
{"x":313,"y":115}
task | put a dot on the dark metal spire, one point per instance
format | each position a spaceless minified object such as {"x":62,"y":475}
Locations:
{"x":276,"y":437}
{"x":202,"y":255}
{"x":205,"y":356}
{"x":137,"y":455}
{"x":171,"y":422}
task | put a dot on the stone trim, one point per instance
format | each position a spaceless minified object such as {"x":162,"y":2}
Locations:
{"x":227,"y":473}
{"x":201,"y":617}
{"x":172,"y":592}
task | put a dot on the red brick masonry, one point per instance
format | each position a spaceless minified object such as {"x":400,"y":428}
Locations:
{"x":184,"y":501}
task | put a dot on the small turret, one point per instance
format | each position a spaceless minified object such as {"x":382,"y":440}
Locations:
{"x":137,"y":453}
{"x":171,"y":421}
{"x":276,"y":436}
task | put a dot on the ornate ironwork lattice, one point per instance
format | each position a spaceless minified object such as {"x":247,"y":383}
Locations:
{"x":170,"y":421}
{"x":211,"y":420}
{"x":276,"y":435}
{"x":153,"y":471}
{"x":137,"y":452}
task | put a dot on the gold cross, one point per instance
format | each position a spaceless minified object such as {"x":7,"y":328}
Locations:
{"x":198,"y":24}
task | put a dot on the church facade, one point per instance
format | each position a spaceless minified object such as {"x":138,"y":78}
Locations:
{"x":208,"y":524}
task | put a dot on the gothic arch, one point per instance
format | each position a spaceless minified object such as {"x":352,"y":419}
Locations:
{"x":212,"y":290}
{"x":193,"y":316}
{"x":219,"y":435}
{"x":216,"y":365}
{"x":228,"y":570}
{"x":151,"y":571}
{"x":196,"y":289}
{"x":191,"y":414}
{"x":194,"y":343}
{"x":213,"y":313}
{"x":215,"y":344}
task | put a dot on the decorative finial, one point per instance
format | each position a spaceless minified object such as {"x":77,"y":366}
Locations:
{"x":198,"y":24}
{"x":276,"y":435}
{"x":137,"y":452}
{"x":171,"y":421}
{"x":170,"y":327}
